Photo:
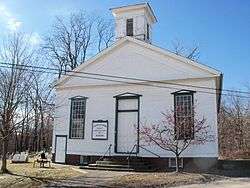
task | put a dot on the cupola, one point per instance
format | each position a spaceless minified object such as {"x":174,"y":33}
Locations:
{"x":134,"y":21}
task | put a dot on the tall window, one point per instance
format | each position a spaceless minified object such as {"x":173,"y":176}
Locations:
{"x":184,"y":115}
{"x":129,"y":27}
{"x":77,"y":117}
{"x":148,"y":31}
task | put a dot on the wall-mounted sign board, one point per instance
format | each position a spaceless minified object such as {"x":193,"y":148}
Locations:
{"x":100,"y":130}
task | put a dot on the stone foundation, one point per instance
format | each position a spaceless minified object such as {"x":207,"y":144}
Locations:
{"x":189,"y":164}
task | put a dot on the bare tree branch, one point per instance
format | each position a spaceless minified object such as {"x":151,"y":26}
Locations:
{"x":190,"y":53}
{"x":176,"y":136}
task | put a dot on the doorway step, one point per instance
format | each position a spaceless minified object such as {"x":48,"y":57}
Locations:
{"x":112,"y":164}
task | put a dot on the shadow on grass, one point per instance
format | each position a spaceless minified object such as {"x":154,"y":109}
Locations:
{"x":33,"y":178}
{"x":20,"y":178}
{"x":98,"y":182}
{"x":79,"y":181}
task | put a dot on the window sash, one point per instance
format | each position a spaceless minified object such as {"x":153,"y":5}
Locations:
{"x":77,"y":118}
{"x":184,"y":120}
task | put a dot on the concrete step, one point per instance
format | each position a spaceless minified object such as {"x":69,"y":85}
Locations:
{"x":135,"y":166}
{"x":106,"y":168}
{"x":109,"y":165}
{"x":116,"y":169}
{"x":120,"y":163}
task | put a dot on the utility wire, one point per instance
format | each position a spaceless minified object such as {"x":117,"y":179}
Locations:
{"x":21,"y":67}
{"x":26,"y":67}
{"x":133,"y":79}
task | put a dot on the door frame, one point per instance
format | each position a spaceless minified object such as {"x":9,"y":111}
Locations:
{"x":123,"y":96}
{"x":65,"y":146}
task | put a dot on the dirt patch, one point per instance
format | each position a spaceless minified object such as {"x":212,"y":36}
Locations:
{"x":159,"y":179}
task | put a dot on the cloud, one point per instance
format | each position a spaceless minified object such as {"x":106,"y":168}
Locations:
{"x":12,"y":23}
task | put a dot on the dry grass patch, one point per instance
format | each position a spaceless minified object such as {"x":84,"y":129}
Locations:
{"x":159,"y":179}
{"x":24,"y":175}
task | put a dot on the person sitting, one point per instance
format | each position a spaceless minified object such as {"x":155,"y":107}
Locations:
{"x":43,"y":156}
{"x":42,"y":160}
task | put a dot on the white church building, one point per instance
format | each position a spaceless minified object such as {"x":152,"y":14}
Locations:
{"x":131,"y":81}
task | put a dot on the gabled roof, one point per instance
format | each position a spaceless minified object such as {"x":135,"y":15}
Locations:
{"x":156,"y":49}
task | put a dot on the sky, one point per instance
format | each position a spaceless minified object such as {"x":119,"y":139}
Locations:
{"x":221,"y":29}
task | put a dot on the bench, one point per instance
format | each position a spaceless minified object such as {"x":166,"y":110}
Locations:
{"x":42,"y":162}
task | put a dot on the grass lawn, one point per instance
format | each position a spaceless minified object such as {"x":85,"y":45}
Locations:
{"x":24,"y":175}
{"x":161,"y":179}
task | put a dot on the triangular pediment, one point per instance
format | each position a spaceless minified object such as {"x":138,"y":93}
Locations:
{"x":127,"y":94}
{"x":130,"y":58}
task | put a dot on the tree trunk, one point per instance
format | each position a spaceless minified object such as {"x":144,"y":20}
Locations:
{"x":4,"y":157}
{"x":176,"y":163}
{"x":27,"y":135}
{"x":21,"y":137}
{"x":35,"y":138}
{"x":16,"y":143}
{"x":26,"y":140}
{"x":42,"y":137}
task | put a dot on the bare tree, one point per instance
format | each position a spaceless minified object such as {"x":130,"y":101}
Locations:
{"x":105,"y":31}
{"x":25,"y":110}
{"x":234,"y":120}
{"x":68,"y":43}
{"x":36,"y":112}
{"x":175,"y":135}
{"x":72,"y":39}
{"x":42,"y":100}
{"x":190,"y":53}
{"x":13,"y":86}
